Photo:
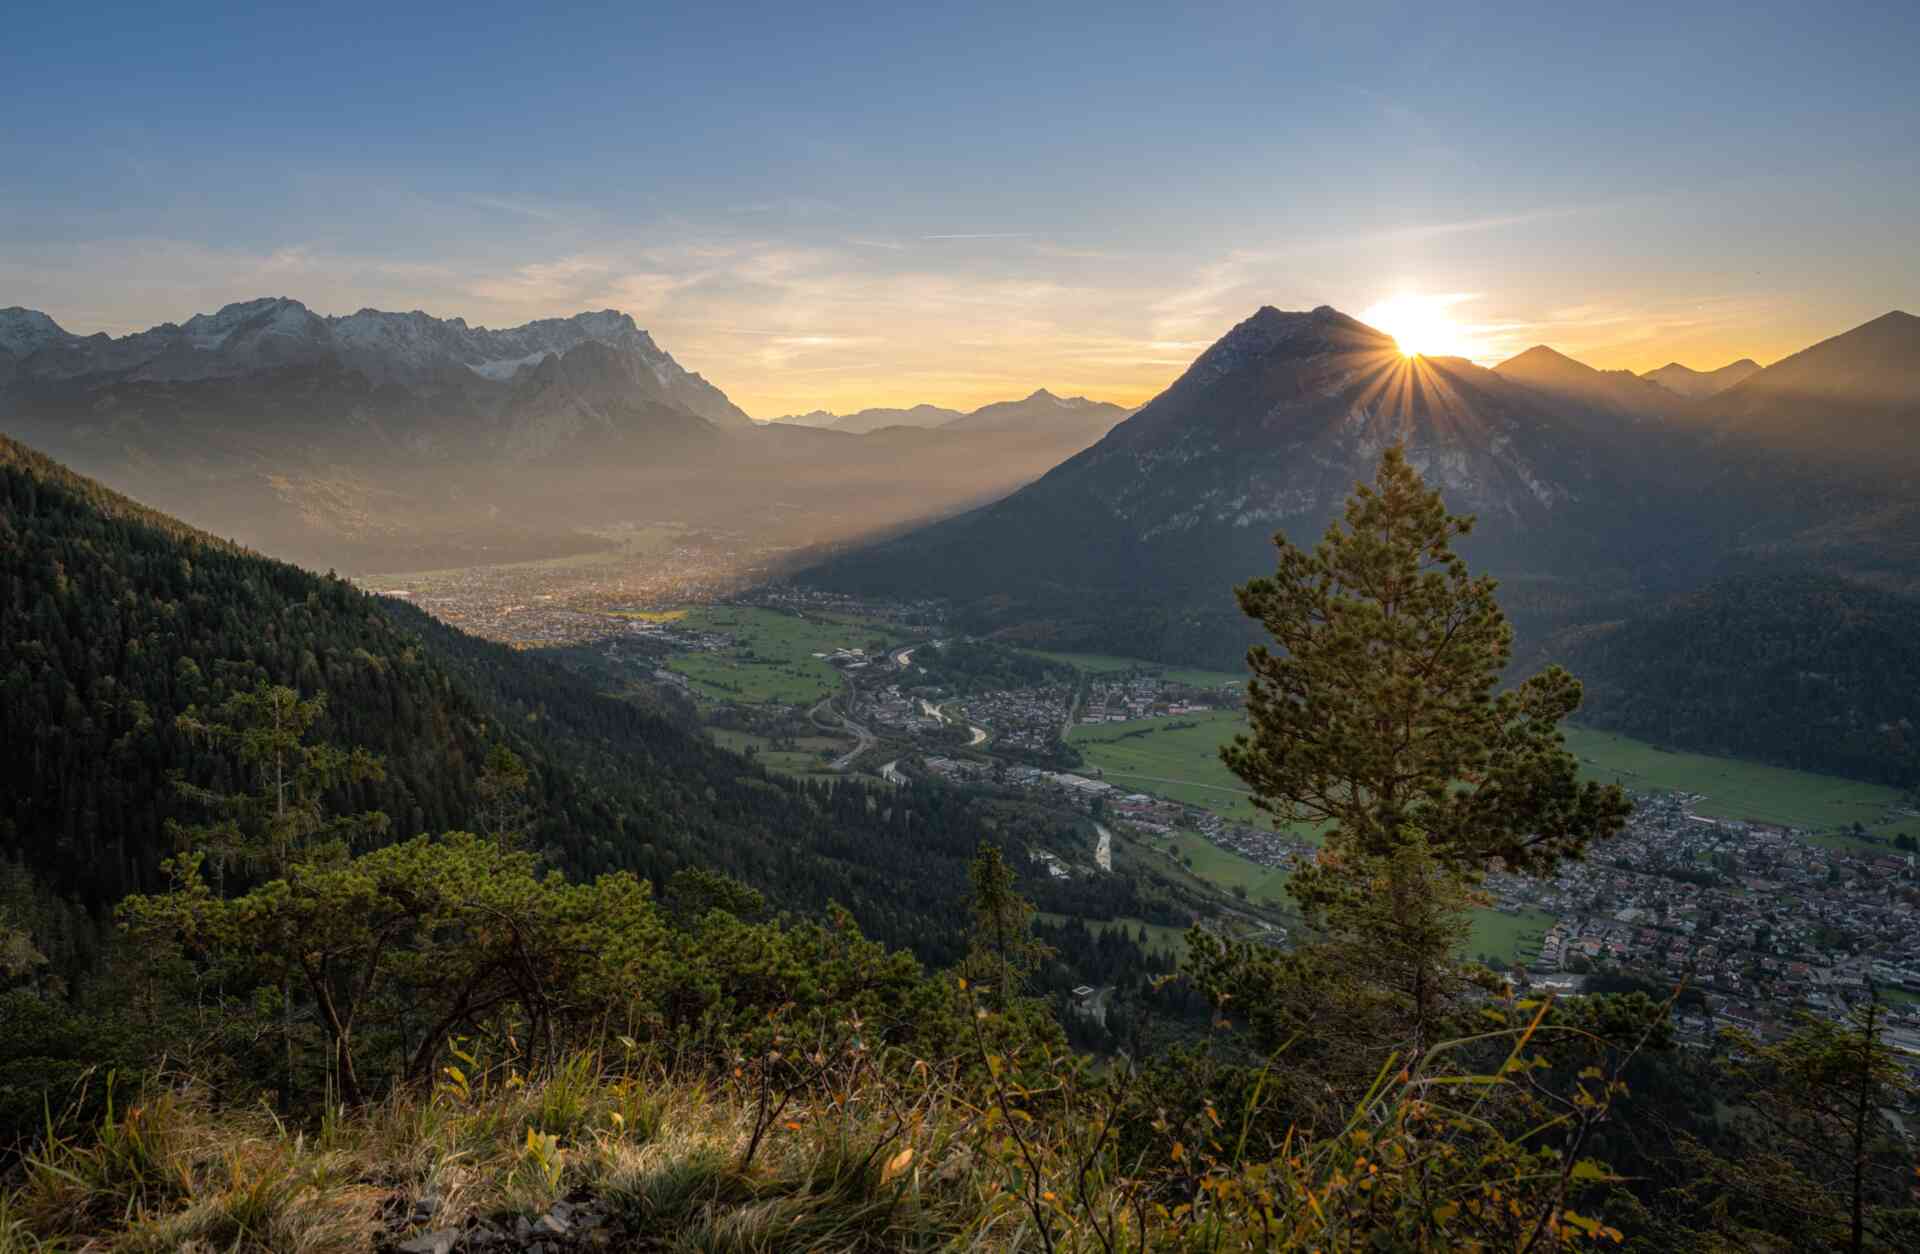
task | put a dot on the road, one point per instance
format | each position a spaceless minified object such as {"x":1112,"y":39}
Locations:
{"x":864,"y":738}
{"x":979,"y":736}
{"x":1103,"y":855}
{"x":892,"y":775}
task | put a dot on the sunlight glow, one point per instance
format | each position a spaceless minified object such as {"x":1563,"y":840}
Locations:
{"x":1421,"y":325}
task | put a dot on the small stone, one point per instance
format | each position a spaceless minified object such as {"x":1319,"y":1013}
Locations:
{"x":551,"y":1226}
{"x":440,"y":1242}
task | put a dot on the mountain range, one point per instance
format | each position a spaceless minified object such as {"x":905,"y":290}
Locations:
{"x":1040,"y":410}
{"x":1684,"y":381}
{"x":1138,"y":540}
{"x":1600,"y":496}
{"x":395,"y":440}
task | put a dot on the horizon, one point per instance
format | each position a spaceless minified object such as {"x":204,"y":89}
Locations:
{"x":974,"y":404}
{"x":851,"y":211}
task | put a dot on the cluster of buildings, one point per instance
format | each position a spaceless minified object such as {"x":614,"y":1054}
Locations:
{"x":1121,"y":701}
{"x":1760,"y":918}
{"x":900,"y":713}
{"x":1079,"y":791}
{"x":1024,"y":718}
{"x":576,"y":600}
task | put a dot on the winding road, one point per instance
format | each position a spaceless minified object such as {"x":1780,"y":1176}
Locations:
{"x":864,"y":738}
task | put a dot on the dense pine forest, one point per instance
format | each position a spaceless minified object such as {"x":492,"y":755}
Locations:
{"x":325,"y":927}
{"x":1811,"y":672}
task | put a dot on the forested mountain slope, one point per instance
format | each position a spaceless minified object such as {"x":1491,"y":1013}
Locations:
{"x":1133,"y":546}
{"x":1806,"y":671}
{"x":114,"y":620}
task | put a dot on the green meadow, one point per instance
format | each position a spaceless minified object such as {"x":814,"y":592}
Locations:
{"x":1183,"y":764}
{"x":1165,"y":757}
{"x":1732,"y":789}
{"x":803,"y":760}
{"x":1509,"y":937}
{"x":772,"y":659}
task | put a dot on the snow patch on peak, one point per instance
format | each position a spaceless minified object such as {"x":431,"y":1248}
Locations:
{"x":507,"y":367}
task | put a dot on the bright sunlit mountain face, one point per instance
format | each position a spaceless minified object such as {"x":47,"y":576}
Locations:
{"x":1421,"y":325}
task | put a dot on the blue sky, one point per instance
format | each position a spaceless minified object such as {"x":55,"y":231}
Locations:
{"x":889,"y":204}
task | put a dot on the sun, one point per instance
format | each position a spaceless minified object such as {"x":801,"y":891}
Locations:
{"x":1420,"y":325}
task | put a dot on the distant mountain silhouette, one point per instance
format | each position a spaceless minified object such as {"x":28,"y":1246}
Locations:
{"x":403,"y":441}
{"x":1040,"y":410}
{"x":1556,"y":375}
{"x":1594,"y":490}
{"x":1135,"y":544}
{"x":1853,"y":399}
{"x":1682,"y":381}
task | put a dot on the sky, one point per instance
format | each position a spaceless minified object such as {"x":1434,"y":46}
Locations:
{"x":841,"y":206}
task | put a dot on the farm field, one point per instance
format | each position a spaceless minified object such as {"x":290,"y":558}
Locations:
{"x":1733,"y":789}
{"x":772,"y":658}
{"x":1165,"y":757}
{"x":803,"y":760}
{"x":1508,"y":937}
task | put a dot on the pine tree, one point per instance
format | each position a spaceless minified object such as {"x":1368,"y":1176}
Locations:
{"x":283,"y":816}
{"x":502,"y":809}
{"x":1004,"y":952}
{"x":1378,"y":717}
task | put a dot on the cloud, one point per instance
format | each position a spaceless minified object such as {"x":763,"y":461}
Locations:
{"x":520,"y":208}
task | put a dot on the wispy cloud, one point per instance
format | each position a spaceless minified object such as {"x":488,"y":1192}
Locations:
{"x":984,"y":235}
{"x":520,"y":208}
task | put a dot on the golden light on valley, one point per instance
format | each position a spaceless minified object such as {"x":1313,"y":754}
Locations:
{"x":1421,"y":325}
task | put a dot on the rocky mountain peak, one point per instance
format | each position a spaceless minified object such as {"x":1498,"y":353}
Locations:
{"x":24,"y":331}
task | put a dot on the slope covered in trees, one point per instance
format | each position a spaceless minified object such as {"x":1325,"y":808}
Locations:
{"x":116,"y":620}
{"x":1805,"y":671}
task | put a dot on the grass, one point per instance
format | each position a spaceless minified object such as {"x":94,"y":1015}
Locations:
{"x":1733,"y":789}
{"x":1178,"y":762}
{"x":1183,"y":765}
{"x":1219,"y":867}
{"x":849,"y":1151}
{"x":771,"y":660}
{"x":802,"y":761}
{"x":1509,"y":937}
